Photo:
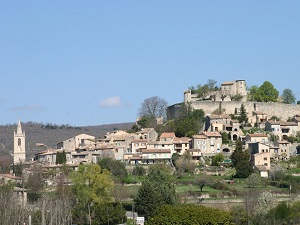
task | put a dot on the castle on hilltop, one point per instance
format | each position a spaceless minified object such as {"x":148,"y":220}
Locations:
{"x":225,"y":98}
{"x":227,"y":92}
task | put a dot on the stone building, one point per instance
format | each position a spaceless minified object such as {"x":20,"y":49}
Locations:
{"x":19,"y":145}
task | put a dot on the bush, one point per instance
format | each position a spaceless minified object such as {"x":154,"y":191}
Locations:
{"x":220,"y":186}
{"x":189,"y":215}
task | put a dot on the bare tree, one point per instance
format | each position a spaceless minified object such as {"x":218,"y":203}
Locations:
{"x":213,"y":95}
{"x":153,"y":107}
{"x":223,"y":94}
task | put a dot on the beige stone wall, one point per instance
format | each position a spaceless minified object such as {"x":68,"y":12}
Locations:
{"x":283,"y":111}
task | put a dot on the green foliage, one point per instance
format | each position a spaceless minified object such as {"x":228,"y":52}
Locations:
{"x":243,"y":119}
{"x":243,"y":169}
{"x":189,"y":215}
{"x":225,"y":138}
{"x":281,"y":211}
{"x":203,"y":180}
{"x":217,"y":159}
{"x":202,"y":91}
{"x":238,"y":154}
{"x":91,"y":185}
{"x":115,"y":167}
{"x":156,"y":190}
{"x":266,"y":93}
{"x":253,"y":180}
{"x":252,"y":92}
{"x":189,"y":122}
{"x":110,"y":213}
{"x":146,"y":121}
{"x":236,"y":98}
{"x":61,"y":157}
{"x":239,"y":215}
{"x":184,"y":164}
{"x":288,"y":96}
{"x":139,"y":171}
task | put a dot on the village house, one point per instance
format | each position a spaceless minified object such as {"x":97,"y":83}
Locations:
{"x":223,"y":123}
{"x":282,"y":129}
{"x":181,"y":145}
{"x":284,"y":150}
{"x":195,"y":154}
{"x":260,"y":154}
{"x":148,"y":134}
{"x":76,"y":142}
{"x":167,"y":136}
{"x":151,"y":156}
{"x":258,"y":119}
{"x":257,"y":137}
{"x":137,"y":146}
{"x":210,"y":143}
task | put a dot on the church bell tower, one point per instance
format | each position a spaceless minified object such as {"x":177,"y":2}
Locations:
{"x":19,"y":144}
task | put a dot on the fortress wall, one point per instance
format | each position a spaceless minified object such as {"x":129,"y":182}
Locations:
{"x":283,"y":111}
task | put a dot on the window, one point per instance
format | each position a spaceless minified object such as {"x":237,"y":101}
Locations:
{"x":19,"y":142}
{"x":265,"y":158}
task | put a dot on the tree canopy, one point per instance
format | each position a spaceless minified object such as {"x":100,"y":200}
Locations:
{"x":156,"y":190}
{"x":288,"y":96}
{"x":91,"y":185}
{"x":266,"y":93}
{"x":153,"y":107}
{"x":189,"y":122}
{"x":115,"y":167}
{"x":202,"y":91}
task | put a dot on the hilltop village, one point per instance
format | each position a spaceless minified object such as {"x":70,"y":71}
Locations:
{"x":268,"y":136}
{"x":146,"y":146}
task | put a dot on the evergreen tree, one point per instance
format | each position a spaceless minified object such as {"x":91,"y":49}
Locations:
{"x":243,"y":119}
{"x":156,"y":190}
{"x":238,"y":154}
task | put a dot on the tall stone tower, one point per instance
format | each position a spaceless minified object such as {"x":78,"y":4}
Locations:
{"x":19,"y":144}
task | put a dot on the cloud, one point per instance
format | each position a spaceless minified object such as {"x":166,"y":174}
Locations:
{"x":32,"y":107}
{"x":114,"y":101}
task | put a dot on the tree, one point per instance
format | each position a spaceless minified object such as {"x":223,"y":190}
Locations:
{"x":253,"y":180}
{"x":202,"y":181}
{"x":185,"y":164}
{"x":115,"y":167}
{"x":252,"y":93}
{"x":217,"y":159}
{"x":202,"y":91}
{"x":189,"y":122}
{"x":225,"y":138}
{"x":61,"y":157}
{"x":91,"y":185}
{"x":238,"y":154}
{"x":147,"y":121}
{"x":243,"y":119}
{"x":266,"y":93}
{"x":223,"y":94}
{"x":153,"y":107}
{"x":139,"y":171}
{"x":288,"y":96}
{"x":156,"y":190}
{"x":35,"y":178}
{"x":243,"y":169}
{"x":110,"y":213}
{"x":11,"y":212}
